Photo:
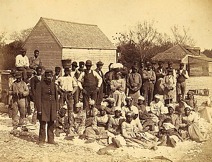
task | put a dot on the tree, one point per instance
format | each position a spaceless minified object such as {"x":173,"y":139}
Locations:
{"x":2,"y":39}
{"x":182,"y":36}
{"x":9,"y":51}
{"x":143,"y":41}
{"x":146,"y":41}
{"x":20,"y":36}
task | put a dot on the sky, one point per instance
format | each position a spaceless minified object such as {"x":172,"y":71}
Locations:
{"x":113,"y":16}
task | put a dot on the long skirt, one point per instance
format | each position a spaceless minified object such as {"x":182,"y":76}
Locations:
{"x":195,"y":133}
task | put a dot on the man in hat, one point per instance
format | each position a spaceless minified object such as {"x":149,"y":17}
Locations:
{"x":98,"y":69}
{"x":35,"y":61}
{"x":134,"y":83}
{"x":46,"y":101}
{"x":67,"y":87}
{"x":182,"y":75}
{"x":19,"y":91}
{"x":22,"y":63}
{"x":89,"y":83}
{"x":149,"y":79}
{"x":56,"y":75}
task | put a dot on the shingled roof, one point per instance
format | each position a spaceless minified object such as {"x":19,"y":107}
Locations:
{"x":77,"y":35}
{"x":176,"y":53}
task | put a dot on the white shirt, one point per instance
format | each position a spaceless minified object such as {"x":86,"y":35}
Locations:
{"x":66,"y":83}
{"x":157,"y":108}
{"x":21,"y":61}
{"x":80,"y":79}
{"x":125,"y":109}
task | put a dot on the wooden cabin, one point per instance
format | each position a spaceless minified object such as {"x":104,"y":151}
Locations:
{"x":57,"y":40}
{"x":196,"y":63}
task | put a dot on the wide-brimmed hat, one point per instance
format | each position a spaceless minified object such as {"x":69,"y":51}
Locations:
{"x":88,"y":63}
{"x":100,"y":63}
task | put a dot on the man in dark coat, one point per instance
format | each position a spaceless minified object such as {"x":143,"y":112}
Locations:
{"x":46,"y":101}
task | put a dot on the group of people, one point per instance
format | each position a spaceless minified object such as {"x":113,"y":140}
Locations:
{"x":142,"y":106}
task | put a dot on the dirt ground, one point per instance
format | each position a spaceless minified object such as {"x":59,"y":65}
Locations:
{"x":25,"y":149}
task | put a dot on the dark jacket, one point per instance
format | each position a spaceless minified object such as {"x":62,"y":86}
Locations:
{"x":46,"y":100}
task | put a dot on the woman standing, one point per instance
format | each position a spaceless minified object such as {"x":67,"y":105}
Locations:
{"x":118,"y":86}
{"x":169,"y":86}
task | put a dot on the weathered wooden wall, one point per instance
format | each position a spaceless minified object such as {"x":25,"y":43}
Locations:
{"x":95,"y":55}
{"x":198,"y":67}
{"x":42,"y":40}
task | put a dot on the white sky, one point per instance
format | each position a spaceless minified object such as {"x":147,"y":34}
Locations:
{"x":113,"y":15}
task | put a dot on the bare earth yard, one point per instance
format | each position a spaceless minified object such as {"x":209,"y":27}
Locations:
{"x":16,"y":149}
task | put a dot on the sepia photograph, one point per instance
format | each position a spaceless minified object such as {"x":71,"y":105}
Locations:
{"x":105,"y":80}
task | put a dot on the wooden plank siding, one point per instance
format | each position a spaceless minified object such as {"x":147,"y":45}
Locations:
{"x":198,"y":67}
{"x":41,"y":39}
{"x":95,"y":55}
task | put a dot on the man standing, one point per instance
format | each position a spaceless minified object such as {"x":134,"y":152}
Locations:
{"x":134,"y":83}
{"x":100,"y":92}
{"x":67,"y":87}
{"x":35,"y":61}
{"x":149,"y":78}
{"x":89,"y":83}
{"x":46,"y":101}
{"x":22,"y":63}
{"x":75,"y":74}
{"x":182,"y":75}
{"x":19,"y":91}
{"x":57,"y":71}
{"x":33,"y":84}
